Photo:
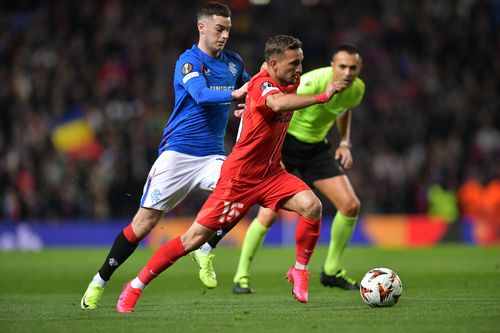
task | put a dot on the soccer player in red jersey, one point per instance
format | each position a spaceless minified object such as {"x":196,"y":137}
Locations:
{"x":252,"y":173}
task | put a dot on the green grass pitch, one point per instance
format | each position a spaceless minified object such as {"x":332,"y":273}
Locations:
{"x":446,"y":289}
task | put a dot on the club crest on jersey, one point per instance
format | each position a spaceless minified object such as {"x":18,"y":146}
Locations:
{"x":156,"y":196}
{"x":186,"y":68}
{"x":266,"y":85}
{"x":233,"y":69}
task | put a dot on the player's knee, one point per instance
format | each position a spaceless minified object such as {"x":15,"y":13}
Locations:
{"x":351,"y":207}
{"x":313,"y":208}
{"x":266,"y":217}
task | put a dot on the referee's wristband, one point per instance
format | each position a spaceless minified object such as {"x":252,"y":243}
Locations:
{"x":345,"y":143}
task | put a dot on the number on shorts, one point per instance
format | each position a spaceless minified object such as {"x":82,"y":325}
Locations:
{"x":231,"y":211}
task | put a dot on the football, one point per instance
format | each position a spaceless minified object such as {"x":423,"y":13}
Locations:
{"x":381,"y":287}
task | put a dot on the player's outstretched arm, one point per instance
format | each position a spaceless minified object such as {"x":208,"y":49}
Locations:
{"x":280,"y":102}
{"x":286,"y":103}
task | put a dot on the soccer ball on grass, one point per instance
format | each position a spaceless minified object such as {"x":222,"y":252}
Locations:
{"x":381,"y":287}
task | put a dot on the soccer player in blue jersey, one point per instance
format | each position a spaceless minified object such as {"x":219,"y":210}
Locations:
{"x":207,"y":78}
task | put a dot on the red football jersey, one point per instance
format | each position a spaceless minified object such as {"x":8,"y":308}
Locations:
{"x":257,"y":154}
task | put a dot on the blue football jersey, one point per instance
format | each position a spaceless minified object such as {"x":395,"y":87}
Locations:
{"x":202,"y":87}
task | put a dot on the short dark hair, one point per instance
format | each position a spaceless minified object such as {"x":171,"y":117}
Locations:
{"x":213,"y":8}
{"x":349,"y":49}
{"x":277,"y":45}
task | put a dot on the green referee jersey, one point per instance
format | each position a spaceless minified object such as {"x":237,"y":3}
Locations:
{"x":312,"y":123}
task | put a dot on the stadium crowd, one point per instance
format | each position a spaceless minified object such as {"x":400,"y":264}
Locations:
{"x":431,"y":113}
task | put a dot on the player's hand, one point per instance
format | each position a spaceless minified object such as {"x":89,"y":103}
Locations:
{"x":334,"y":87}
{"x":340,"y":85}
{"x":241,"y":92}
{"x":344,"y":157}
{"x":239,"y":112}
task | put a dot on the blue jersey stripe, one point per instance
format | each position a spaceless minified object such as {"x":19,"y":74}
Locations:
{"x":145,"y":194}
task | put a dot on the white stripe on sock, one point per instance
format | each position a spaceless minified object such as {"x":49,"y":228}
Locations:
{"x":136,"y":283}
{"x":97,"y":279}
{"x":206,"y":248}
{"x":300,"y":266}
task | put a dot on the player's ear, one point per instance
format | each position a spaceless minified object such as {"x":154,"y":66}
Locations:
{"x":273,"y":63}
{"x":201,"y":27}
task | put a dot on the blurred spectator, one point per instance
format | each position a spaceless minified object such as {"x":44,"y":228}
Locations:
{"x":431,"y":107}
{"x":442,"y":203}
{"x":481,"y":203}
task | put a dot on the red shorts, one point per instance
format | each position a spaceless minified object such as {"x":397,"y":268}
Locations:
{"x":232,"y":199}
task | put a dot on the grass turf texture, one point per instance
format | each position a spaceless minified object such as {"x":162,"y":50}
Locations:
{"x":446,"y":289}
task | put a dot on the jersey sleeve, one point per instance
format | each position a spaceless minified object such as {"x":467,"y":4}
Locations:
{"x":244,"y":77}
{"x":190,"y":74}
{"x":357,"y":94}
{"x":266,"y":87}
{"x":361,"y":93}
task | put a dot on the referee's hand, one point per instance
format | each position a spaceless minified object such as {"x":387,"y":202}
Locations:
{"x":344,"y":157}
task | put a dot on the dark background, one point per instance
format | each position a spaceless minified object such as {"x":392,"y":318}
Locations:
{"x":430,"y":112}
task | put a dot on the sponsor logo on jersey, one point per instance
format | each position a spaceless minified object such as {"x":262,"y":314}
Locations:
{"x":222,"y":87}
{"x":283,"y":117}
{"x":206,"y":71}
{"x":233,"y":69}
{"x":186,"y":68}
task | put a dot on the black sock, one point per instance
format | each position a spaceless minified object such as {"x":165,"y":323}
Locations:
{"x":120,"y":251}
{"x":218,"y":237}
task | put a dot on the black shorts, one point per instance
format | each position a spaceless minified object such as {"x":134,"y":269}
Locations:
{"x":313,"y":161}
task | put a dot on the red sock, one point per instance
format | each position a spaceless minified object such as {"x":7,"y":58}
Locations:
{"x":306,"y":237}
{"x":129,"y":235}
{"x":163,"y":258}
